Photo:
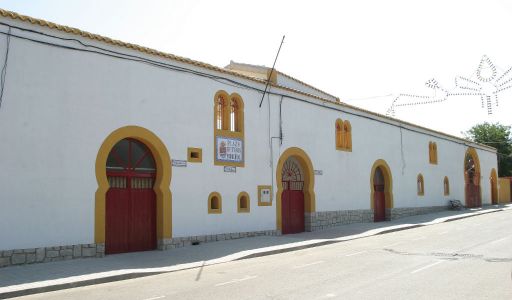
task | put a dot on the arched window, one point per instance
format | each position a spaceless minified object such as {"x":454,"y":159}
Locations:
{"x":446,"y":184}
{"x":339,"y":134}
{"x":420,"y":185}
{"x":220,"y":111}
{"x":214,"y":203}
{"x":244,"y":203}
{"x":432,"y":153}
{"x":435,"y":152}
{"x":234,"y":115}
{"x":347,"y":136}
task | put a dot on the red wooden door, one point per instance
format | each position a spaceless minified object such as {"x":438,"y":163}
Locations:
{"x":472,"y":179}
{"x":131,"y":201}
{"x":379,"y":204}
{"x":469,"y":195}
{"x":292,"y":207}
{"x":473,"y":195}
{"x":297,"y":211}
{"x":379,"y":197}
{"x":117,"y":216}
{"x":286,"y":212}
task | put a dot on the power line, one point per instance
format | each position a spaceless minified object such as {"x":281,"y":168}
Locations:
{"x":220,"y":79}
{"x":4,"y":68}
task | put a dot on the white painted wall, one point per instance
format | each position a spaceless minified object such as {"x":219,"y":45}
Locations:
{"x":60,"y":105}
{"x":345,"y":183}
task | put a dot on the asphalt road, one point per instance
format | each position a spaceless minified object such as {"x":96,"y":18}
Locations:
{"x":464,"y":259}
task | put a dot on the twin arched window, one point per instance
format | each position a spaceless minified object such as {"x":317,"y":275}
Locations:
{"x":343,"y":135}
{"x":229,"y":112}
{"x":432,"y":153}
{"x":228,"y":129}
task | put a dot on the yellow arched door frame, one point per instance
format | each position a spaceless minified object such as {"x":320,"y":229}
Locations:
{"x":161,"y":187}
{"x":309,"y":181}
{"x":388,"y":183}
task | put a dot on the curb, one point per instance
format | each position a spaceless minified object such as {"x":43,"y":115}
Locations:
{"x":133,"y":275}
{"x":291,"y":249}
{"x":70,"y":285}
{"x":355,"y":237}
{"x":481,"y":213}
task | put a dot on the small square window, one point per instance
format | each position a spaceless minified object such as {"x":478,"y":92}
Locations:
{"x":195,"y":155}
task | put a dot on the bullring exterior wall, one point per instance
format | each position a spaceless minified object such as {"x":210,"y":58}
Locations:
{"x":59,"y":106}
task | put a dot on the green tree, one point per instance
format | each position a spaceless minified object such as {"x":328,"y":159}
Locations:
{"x":498,"y":136}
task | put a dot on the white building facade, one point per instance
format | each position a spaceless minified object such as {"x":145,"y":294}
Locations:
{"x":201,"y":156}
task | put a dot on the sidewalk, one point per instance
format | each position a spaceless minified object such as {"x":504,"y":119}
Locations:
{"x":38,"y":278}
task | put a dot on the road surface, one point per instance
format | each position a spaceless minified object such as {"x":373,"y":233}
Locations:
{"x":465,"y":259}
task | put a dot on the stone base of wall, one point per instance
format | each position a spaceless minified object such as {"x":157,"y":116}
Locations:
{"x":313,"y":222}
{"x":327,"y":219}
{"x":48,"y":254}
{"x":180,"y":242}
{"x":401,"y":212}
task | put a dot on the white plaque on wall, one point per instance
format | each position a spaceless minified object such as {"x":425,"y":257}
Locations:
{"x":229,"y":149}
{"x":265,"y":195}
{"x":179,"y":163}
{"x":229,"y":169}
